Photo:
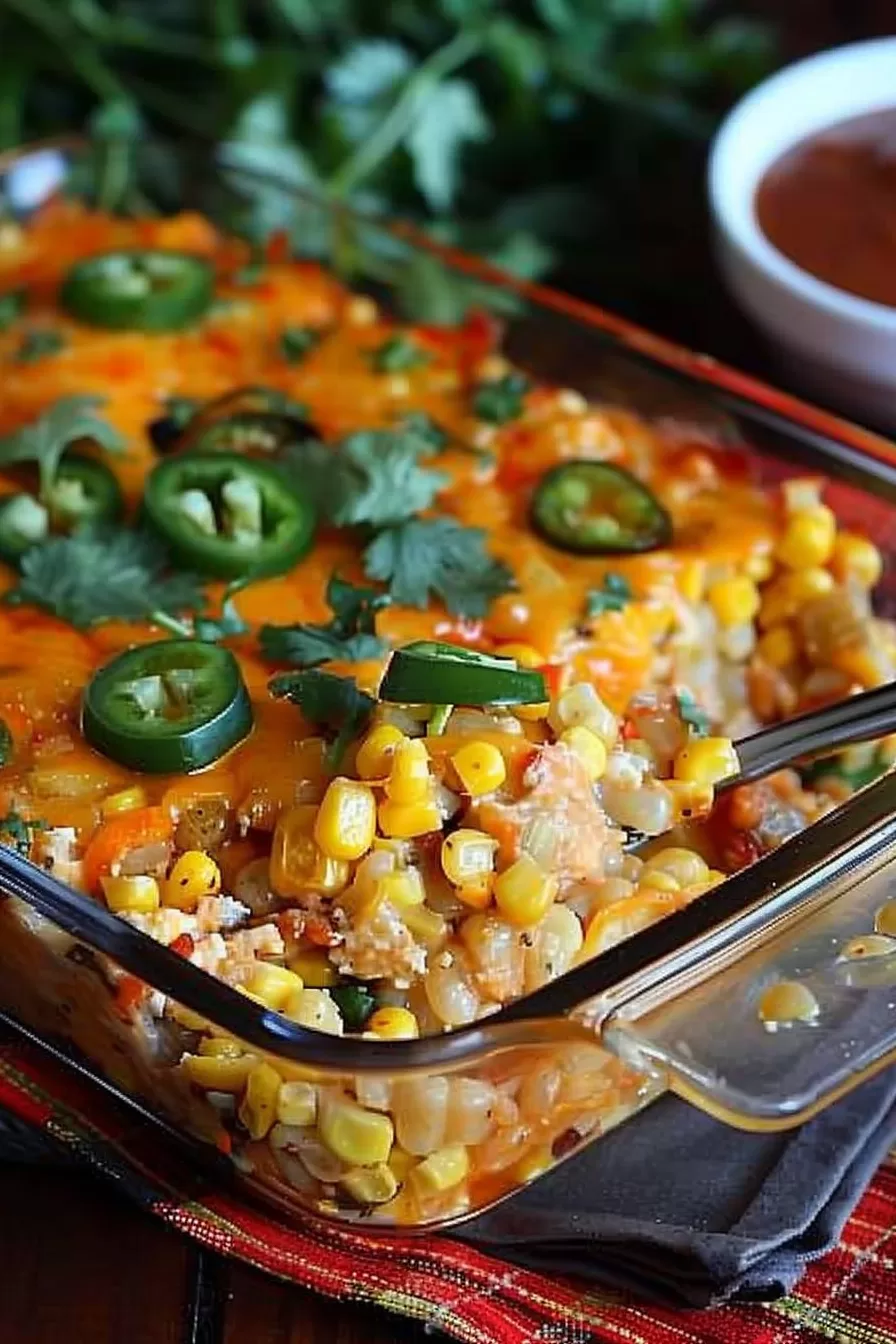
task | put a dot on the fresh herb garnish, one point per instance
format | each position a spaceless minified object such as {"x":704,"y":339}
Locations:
{"x":437,"y":556}
{"x":12,"y":305}
{"x":398,"y":354}
{"x":349,"y":637}
{"x":428,"y":430}
{"x":355,"y":1003}
{"x":501,"y":399}
{"x":6,"y":743}
{"x":17,"y":833}
{"x":614,"y":594}
{"x":329,"y":701}
{"x":229,"y":623}
{"x":297,"y":342}
{"x":103,"y":574}
{"x":692,"y":715}
{"x":39,"y":343}
{"x":370,"y":477}
{"x":180,"y":410}
{"x":45,"y":440}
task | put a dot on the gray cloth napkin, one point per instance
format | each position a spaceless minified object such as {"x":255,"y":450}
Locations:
{"x":677,"y":1207}
{"x":673,"y":1205}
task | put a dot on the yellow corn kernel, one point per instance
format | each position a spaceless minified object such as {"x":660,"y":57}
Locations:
{"x":402,"y":888}
{"x":534,"y":1164}
{"x":346,"y":820}
{"x":258,"y":1109}
{"x":400,"y":1163}
{"x":478,"y":895}
{"x":735,"y":601}
{"x":377,"y":751}
{"x":193,"y":876}
{"x":759,"y":566}
{"x":370,"y":1185}
{"x":480,"y":768}
{"x":409,"y":779}
{"x":580,"y":705}
{"x":685,"y":865}
{"x":393,"y":1024}
{"x":808,"y":538}
{"x":314,"y":968}
{"x":692,"y":581}
{"x":219,"y":1073}
{"x":588,"y":747}
{"x":713,"y":878}
{"x":468,"y":856}
{"x":533,"y":713}
{"x":273,"y":985}
{"x":361,"y":1138}
{"x":131,"y":895}
{"x":442,"y":1170}
{"x":657,"y":880}
{"x":778,"y":647}
{"x":403,"y":821}
{"x":298,"y":865}
{"x":221,"y":1047}
{"x":857,"y":558}
{"x":707,"y":760}
{"x":315,"y":1009}
{"x":525,"y":655}
{"x":782,"y":599}
{"x":803,"y":492}
{"x":863,"y":664}
{"x":689,"y":799}
{"x":426,"y":925}
{"x":124,"y":801}
{"x":297,"y":1104}
{"x":524,"y":892}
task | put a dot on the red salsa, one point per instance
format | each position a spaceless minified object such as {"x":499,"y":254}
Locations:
{"x":829,"y":204}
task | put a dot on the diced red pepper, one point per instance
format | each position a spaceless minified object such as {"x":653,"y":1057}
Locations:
{"x":183,"y":945}
{"x":129,"y":994}
{"x":276,"y":250}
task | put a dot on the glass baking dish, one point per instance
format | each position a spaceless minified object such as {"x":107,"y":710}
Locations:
{"x":526,"y":1087}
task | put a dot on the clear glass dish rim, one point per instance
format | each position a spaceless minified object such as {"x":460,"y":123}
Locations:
{"x":836,"y":446}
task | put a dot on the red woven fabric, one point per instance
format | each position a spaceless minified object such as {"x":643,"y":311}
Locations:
{"x":849,"y":1296}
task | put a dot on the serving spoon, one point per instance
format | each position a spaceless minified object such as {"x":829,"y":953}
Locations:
{"x":818,"y":733}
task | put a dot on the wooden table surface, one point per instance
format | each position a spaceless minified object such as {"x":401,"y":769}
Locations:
{"x":83,"y":1266}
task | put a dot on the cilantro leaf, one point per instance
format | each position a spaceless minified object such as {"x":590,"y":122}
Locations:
{"x":39,"y":343}
{"x":397,"y":354}
{"x":427,"y":429}
{"x":449,"y":116}
{"x":329,"y":701}
{"x":350,"y":636}
{"x":614,"y":594}
{"x":230,"y":622}
{"x":297,"y":342}
{"x":501,"y":399}
{"x":103,"y":574}
{"x":17,"y":833}
{"x":439,"y":556}
{"x":369,"y":477}
{"x":693,"y":716}
{"x":12,"y":305}
{"x":45,"y":440}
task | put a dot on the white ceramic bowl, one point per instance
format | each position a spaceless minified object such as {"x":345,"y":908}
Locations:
{"x":839,"y":346}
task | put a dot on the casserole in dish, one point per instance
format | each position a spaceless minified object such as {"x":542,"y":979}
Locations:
{"x":342,"y":657}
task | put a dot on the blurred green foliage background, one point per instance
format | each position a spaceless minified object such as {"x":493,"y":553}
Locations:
{"x":555,"y":136}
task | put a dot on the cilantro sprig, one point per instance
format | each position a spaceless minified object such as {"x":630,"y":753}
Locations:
{"x":46,"y":440}
{"x":371,"y":477}
{"x":334,"y":703}
{"x":398,"y":354}
{"x":38,"y":344}
{"x":501,"y":399}
{"x":693,"y":715}
{"x":350,"y":636}
{"x":104,"y":574}
{"x":614,"y":594}
{"x":439,"y":557}
{"x":296,"y":343}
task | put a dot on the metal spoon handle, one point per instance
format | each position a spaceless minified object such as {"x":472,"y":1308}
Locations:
{"x":861,"y":718}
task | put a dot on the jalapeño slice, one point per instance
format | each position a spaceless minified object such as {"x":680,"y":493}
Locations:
{"x":430,"y":673}
{"x":139,"y":290}
{"x":595,"y":508}
{"x":227,"y":516}
{"x":83,"y":491}
{"x":168,"y":707}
